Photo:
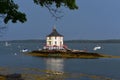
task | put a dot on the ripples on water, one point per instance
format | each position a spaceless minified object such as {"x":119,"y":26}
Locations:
{"x":13,"y":61}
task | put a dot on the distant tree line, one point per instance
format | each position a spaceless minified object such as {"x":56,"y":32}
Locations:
{"x":67,"y":41}
{"x":93,"y":41}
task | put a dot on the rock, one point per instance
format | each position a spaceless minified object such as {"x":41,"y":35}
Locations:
{"x":14,"y":77}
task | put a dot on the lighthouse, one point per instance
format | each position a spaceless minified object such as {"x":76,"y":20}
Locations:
{"x":54,"y":41}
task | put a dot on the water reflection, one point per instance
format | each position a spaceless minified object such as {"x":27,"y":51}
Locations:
{"x":55,"y":65}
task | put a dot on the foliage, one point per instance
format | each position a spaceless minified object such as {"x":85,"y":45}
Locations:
{"x":53,"y":5}
{"x":68,"y":3}
{"x":9,"y":10}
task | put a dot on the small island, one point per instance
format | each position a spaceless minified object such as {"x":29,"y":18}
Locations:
{"x":65,"y":54}
{"x":55,"y":48}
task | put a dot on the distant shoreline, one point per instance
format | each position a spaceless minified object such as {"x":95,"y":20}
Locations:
{"x":70,"y":41}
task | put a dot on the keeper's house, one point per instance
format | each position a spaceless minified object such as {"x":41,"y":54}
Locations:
{"x":54,"y":41}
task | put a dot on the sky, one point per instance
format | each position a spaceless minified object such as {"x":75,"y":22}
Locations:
{"x":94,"y":20}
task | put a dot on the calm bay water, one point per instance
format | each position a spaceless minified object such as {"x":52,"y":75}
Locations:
{"x":13,"y":59}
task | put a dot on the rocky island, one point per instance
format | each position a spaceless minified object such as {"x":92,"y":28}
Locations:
{"x":65,"y":54}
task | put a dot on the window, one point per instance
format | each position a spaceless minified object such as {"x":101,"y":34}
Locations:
{"x":55,"y":42}
{"x":49,"y":38}
{"x":49,"y":42}
{"x":60,"y":43}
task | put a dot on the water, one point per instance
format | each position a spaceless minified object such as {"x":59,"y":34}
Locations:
{"x":14,"y":61}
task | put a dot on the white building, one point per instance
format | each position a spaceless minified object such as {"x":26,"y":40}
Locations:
{"x":54,"y":41}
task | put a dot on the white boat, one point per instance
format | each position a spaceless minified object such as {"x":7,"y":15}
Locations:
{"x":15,"y":54}
{"x":7,"y":44}
{"x":96,"y":48}
{"x":24,"y":50}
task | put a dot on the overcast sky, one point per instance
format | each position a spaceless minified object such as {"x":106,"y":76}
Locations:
{"x":94,"y":20}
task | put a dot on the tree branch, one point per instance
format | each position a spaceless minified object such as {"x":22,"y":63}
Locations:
{"x":55,"y":12}
{"x":2,"y":24}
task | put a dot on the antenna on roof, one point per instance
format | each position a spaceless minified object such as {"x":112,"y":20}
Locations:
{"x":54,"y":27}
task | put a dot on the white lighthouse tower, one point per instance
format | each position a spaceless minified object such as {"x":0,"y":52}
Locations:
{"x":54,"y":41}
